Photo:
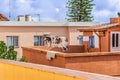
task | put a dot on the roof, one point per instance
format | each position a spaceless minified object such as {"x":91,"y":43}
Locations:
{"x":38,"y":23}
{"x":98,"y":27}
{"x":3,"y":18}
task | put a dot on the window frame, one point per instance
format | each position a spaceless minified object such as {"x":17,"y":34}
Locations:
{"x":115,"y":40}
{"x":90,"y":42}
{"x":39,"y":40}
{"x":80,"y":42}
{"x":13,"y":41}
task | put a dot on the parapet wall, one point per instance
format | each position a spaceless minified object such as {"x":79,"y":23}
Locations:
{"x":13,"y":70}
{"x":97,"y":62}
{"x":71,"y":48}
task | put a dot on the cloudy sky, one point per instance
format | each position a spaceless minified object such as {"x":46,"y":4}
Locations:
{"x":51,"y":10}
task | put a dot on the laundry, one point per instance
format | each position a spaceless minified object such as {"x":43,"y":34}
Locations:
{"x":51,"y":55}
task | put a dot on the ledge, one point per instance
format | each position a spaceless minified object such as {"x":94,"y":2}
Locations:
{"x":74,"y":54}
{"x":68,"y":72}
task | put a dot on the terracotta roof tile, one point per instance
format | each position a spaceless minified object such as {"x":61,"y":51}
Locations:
{"x":3,"y":18}
{"x":98,"y":27}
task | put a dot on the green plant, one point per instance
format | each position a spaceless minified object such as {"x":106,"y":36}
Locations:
{"x":23,"y":59}
{"x":3,"y":49}
{"x":7,"y":52}
{"x":88,"y":48}
{"x":118,"y":13}
{"x":11,"y":54}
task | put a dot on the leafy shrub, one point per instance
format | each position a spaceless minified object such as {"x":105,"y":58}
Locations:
{"x":23,"y":59}
{"x":7,"y":52}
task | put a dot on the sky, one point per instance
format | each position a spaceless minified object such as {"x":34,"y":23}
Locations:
{"x":55,"y":10}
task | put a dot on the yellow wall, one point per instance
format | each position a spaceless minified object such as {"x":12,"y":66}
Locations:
{"x":14,"y":72}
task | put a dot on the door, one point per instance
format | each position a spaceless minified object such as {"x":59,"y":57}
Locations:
{"x":115,"y":41}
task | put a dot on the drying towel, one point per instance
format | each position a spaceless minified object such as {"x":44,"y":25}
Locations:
{"x":51,"y":55}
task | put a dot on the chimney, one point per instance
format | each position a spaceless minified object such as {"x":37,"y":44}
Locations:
{"x":113,"y":20}
{"x":21,"y":18}
{"x":118,"y":20}
{"x":28,"y":18}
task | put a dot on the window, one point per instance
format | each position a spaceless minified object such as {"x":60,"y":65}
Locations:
{"x":115,"y":40}
{"x":91,"y":42}
{"x":12,"y":41}
{"x":38,"y":41}
{"x":80,"y":38}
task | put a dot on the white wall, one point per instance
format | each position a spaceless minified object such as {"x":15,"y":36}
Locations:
{"x":96,"y":40}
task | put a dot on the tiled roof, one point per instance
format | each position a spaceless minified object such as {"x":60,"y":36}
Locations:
{"x":38,"y":23}
{"x":3,"y":18}
{"x":98,"y":27}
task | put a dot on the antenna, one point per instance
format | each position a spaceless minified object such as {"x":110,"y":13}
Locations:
{"x":9,"y":10}
{"x":38,"y":16}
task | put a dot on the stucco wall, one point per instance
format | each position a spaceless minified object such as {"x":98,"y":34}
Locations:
{"x":26,"y":34}
{"x":105,"y":41}
{"x":73,"y":34}
{"x":13,"y":70}
{"x":39,"y":57}
{"x":97,"y":64}
{"x":102,"y":63}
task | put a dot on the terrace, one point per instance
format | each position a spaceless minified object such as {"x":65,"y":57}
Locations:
{"x":96,"y":62}
{"x":13,"y":70}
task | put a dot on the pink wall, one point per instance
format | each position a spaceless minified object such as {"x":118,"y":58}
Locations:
{"x":26,"y":34}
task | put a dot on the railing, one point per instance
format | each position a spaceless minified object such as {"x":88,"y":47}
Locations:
{"x":13,"y":70}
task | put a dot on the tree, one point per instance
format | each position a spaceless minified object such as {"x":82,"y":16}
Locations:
{"x":118,"y":13}
{"x":79,"y":10}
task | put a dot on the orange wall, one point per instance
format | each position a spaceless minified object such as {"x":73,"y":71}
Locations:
{"x":90,"y":62}
{"x":105,"y":41}
{"x":13,"y":70}
{"x":87,"y":33}
{"x":39,"y":57}
{"x":119,"y":20}
{"x":101,"y":64}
